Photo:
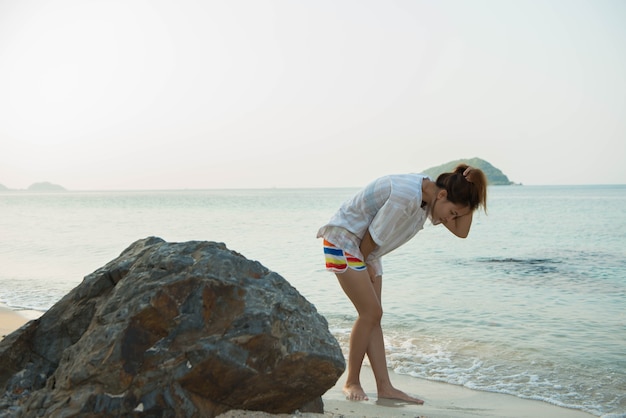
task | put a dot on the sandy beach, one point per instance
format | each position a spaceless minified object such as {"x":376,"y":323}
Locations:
{"x":10,"y":321}
{"x":441,"y":400}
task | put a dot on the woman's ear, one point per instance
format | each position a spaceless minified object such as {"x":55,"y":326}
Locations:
{"x":442,"y":194}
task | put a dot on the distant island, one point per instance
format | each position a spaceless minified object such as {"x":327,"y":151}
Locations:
{"x":494,"y":175}
{"x":43,"y":186}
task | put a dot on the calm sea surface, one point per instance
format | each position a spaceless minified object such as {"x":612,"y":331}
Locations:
{"x":532,"y":303}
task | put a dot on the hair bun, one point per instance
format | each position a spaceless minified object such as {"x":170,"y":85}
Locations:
{"x":460,"y":169}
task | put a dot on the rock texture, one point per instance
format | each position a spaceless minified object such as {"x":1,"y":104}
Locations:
{"x":171,"y":330}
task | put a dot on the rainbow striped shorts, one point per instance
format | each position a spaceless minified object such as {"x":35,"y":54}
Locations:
{"x":338,"y":261}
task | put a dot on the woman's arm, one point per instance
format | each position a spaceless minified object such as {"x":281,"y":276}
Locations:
{"x":367,"y":245}
{"x":460,"y":226}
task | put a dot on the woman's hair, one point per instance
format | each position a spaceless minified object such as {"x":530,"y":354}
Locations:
{"x":467,"y":191}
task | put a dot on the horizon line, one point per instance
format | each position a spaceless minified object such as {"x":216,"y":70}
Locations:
{"x":65,"y":190}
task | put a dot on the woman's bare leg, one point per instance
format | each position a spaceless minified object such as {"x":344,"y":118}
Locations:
{"x":360,"y":289}
{"x":378,"y":358}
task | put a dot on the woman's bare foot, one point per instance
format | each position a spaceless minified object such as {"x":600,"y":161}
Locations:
{"x":394,"y":393}
{"x":355,"y":393}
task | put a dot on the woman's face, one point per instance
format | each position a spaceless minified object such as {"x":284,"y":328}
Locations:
{"x":445,"y":211}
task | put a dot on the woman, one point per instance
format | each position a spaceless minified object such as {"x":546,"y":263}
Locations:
{"x":380,"y":218}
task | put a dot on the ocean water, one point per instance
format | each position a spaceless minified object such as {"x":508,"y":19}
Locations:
{"x":532,"y":303}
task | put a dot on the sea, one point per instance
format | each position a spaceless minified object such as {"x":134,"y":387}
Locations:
{"x":531,"y":304}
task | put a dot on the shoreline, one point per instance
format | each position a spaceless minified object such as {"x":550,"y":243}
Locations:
{"x":442,"y":400}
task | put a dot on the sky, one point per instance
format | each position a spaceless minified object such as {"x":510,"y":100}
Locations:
{"x":153,"y":94}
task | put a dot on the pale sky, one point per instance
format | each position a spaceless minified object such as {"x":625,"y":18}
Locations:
{"x":125,"y":94}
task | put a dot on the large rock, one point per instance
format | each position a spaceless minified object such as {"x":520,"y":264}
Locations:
{"x":171,"y":329}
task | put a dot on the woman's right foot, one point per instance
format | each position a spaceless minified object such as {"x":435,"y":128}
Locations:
{"x":355,"y":393}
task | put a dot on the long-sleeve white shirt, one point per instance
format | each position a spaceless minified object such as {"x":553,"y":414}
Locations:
{"x":390,"y":208}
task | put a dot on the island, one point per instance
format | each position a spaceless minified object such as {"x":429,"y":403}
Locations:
{"x":45,"y":187}
{"x":495,"y":177}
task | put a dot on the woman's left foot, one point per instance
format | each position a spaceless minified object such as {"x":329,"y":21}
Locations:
{"x":399,"y":395}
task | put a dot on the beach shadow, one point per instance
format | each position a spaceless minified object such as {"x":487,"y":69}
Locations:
{"x":394,"y":403}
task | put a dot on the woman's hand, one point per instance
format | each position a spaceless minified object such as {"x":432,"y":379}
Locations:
{"x":467,"y":174}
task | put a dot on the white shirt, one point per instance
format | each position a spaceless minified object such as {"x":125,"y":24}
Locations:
{"x":389,"y":208}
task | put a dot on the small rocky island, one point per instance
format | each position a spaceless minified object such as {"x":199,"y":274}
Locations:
{"x":43,"y":186}
{"x":495,"y":176}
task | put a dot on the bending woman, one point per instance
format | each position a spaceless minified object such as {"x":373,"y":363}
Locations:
{"x":384,"y":215}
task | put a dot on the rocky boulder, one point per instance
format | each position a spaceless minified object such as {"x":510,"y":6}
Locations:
{"x":171,"y":330}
